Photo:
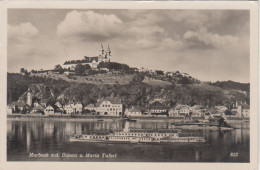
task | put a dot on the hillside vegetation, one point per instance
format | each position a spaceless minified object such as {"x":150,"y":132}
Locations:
{"x":135,"y":92}
{"x":232,"y":85}
{"x":98,"y":79}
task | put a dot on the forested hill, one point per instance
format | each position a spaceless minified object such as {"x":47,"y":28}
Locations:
{"x":232,"y":85}
{"x":138,"y":93}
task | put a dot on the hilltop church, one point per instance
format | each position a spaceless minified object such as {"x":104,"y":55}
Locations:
{"x":93,"y":62}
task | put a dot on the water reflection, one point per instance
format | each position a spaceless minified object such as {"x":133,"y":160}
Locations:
{"x":43,"y":136}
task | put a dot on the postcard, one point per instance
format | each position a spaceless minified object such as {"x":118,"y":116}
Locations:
{"x":98,"y":85}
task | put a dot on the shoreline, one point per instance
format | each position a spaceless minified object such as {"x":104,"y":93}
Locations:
{"x":105,"y":118}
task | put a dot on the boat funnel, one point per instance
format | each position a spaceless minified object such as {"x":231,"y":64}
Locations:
{"x":126,"y":129}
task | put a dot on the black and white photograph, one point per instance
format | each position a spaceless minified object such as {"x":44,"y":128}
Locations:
{"x":128,"y":85}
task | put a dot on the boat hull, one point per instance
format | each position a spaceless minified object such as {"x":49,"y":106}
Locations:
{"x":199,"y":140}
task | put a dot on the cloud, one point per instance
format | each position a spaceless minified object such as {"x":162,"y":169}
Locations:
{"x":157,"y":39}
{"x":89,"y":26}
{"x":206,"y":40}
{"x":22,"y":33}
{"x":21,"y":39}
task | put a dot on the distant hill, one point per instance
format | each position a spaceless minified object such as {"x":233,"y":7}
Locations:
{"x":232,"y":85}
{"x":138,"y":91}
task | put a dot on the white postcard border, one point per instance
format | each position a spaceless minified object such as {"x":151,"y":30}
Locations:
{"x":251,"y":5}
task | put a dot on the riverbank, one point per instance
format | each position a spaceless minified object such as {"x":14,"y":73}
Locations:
{"x":104,"y":118}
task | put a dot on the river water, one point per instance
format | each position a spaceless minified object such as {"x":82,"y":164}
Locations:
{"x":42,"y":137}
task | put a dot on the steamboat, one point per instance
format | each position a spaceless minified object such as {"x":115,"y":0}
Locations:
{"x":128,"y":135}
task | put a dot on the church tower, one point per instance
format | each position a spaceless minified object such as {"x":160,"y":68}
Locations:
{"x":108,"y":54}
{"x":105,"y":54}
{"x":29,"y":97}
{"x":101,"y":56}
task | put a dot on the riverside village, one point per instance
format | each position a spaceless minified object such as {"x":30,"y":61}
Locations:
{"x":165,"y":89}
{"x":32,"y":102}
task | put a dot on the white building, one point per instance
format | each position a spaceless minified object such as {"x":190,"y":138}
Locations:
{"x":221,"y":109}
{"x":78,"y":108}
{"x":133,"y":112}
{"x":90,"y":107}
{"x":49,"y":110}
{"x":70,"y":108}
{"x":109,"y":107}
{"x":198,"y":110}
{"x":179,"y":110}
{"x":242,"y":109}
{"x":91,"y":61}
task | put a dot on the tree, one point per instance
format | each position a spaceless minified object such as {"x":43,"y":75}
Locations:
{"x":185,"y":80}
{"x":159,"y":72}
{"x":23,"y":71}
{"x":138,"y":78}
{"x":80,"y":69}
{"x":221,"y":121}
{"x":228,"y":112}
{"x":59,"y":68}
{"x":87,"y":67}
{"x":102,"y":65}
{"x":51,"y":101}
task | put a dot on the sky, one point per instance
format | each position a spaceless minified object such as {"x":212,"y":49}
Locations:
{"x":211,"y":45}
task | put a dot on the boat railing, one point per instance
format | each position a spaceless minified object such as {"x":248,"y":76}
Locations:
{"x":189,"y":135}
{"x":155,"y":130}
{"x":95,"y":132}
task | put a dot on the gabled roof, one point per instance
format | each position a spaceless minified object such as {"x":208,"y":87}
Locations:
{"x":90,"y":105}
{"x":49,"y":106}
{"x":178,"y":107}
{"x":38,"y":107}
{"x":156,"y":104}
{"x":58,"y":104}
{"x":56,"y":108}
{"x":134,"y":109}
{"x":112,"y":100}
